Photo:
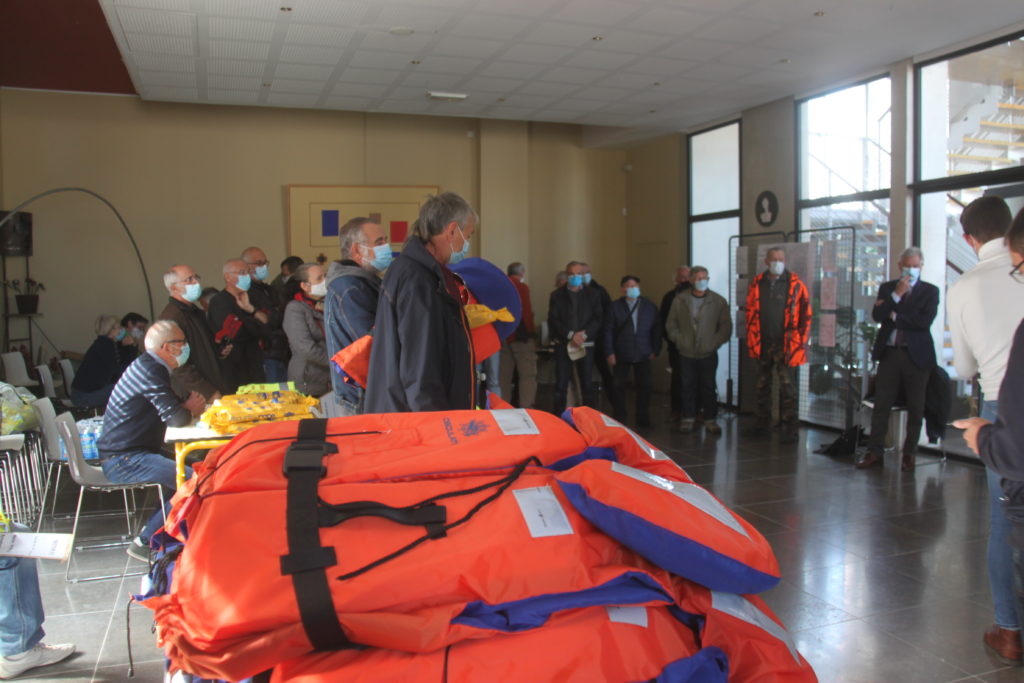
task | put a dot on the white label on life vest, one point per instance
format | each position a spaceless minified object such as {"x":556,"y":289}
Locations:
{"x":744,"y":610}
{"x":515,"y":422}
{"x":628,"y":614}
{"x":543,"y":513}
{"x":691,"y":493}
{"x":647,"y":448}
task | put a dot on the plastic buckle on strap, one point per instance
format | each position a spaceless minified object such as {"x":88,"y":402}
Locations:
{"x":305,"y":456}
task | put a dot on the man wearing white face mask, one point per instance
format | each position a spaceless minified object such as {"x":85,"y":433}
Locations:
{"x":353,"y":287}
{"x":422,"y":357}
{"x":632,"y":339}
{"x":238,"y":327}
{"x":304,"y":325}
{"x":905,"y":353}
{"x":265,"y":299}
{"x":141,"y":406}
{"x":203,"y":374}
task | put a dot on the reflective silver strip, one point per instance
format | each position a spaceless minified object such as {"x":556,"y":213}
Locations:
{"x":628,"y":614}
{"x":744,"y":610}
{"x":691,"y":493}
{"x":647,"y":448}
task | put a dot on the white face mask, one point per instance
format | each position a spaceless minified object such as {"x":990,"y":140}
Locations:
{"x":319,"y":290}
{"x":777,"y":267}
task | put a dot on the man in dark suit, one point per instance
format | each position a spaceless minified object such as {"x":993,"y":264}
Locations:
{"x":632,"y":338}
{"x":905,"y":353}
{"x":575,"y":316}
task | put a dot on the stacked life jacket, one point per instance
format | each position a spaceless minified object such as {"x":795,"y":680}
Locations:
{"x":796,"y":321}
{"x":506,"y":544}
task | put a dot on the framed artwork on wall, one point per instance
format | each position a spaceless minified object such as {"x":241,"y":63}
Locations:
{"x":317,"y":212}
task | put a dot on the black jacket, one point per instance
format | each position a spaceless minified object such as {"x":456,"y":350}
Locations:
{"x":244,"y":365}
{"x":560,"y":320}
{"x":202,"y":372}
{"x":666,"y":307}
{"x":914,"y":316}
{"x":422,"y":357}
{"x":349,"y":312}
{"x":1001,"y":445}
{"x":619,"y":337}
{"x":102,"y":365}
{"x":275,"y":342}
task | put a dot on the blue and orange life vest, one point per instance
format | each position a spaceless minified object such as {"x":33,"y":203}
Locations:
{"x":796,"y":320}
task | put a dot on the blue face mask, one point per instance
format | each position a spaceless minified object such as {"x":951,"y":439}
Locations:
{"x":382,"y":257}
{"x":459,"y":255}
{"x":244,"y":282}
{"x":700,"y":285}
{"x":914,"y":273}
{"x":121,"y":335}
{"x":262,"y":272}
{"x":192,"y":292}
{"x":575,"y":280}
{"x":633,"y":292}
{"x":183,"y":356}
{"x":586,"y":278}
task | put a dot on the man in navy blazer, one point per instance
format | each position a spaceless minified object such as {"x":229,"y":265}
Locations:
{"x":905,"y":353}
{"x":632,"y":338}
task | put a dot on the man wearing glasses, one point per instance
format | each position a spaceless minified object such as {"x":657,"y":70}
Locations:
{"x":203,"y":374}
{"x":141,"y":406}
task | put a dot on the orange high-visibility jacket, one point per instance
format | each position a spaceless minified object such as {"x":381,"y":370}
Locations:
{"x":796,"y":320}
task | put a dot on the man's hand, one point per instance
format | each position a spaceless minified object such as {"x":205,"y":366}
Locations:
{"x":261,"y":316}
{"x":215,"y":397}
{"x":971,"y":426}
{"x":579,"y":338}
{"x":128,"y":341}
{"x":195,"y":403}
{"x":242,"y":299}
{"x":903,"y":286}
{"x":611,"y":360}
{"x":226,"y":351}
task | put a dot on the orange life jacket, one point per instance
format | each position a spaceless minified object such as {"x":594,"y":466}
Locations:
{"x":796,"y":320}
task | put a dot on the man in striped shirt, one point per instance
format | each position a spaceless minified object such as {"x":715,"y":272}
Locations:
{"x":141,"y":406}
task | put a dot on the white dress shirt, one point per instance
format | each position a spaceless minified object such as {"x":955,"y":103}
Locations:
{"x":983,"y":310}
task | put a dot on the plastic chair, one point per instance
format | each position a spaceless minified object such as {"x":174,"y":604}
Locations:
{"x":46,"y":377}
{"x":15,"y":371}
{"x":90,"y":477}
{"x":67,"y":372}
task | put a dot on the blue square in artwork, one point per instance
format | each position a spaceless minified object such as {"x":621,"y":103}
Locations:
{"x":329,"y":223}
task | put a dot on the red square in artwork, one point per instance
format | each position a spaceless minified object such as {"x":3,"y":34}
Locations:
{"x":399,"y":231}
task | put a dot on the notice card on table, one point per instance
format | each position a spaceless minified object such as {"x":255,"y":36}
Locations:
{"x":40,"y":546}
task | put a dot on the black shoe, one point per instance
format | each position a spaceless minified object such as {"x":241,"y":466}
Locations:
{"x":138,"y":550}
{"x":789,"y":436}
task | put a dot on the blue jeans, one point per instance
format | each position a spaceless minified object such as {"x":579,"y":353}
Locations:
{"x":490,"y":368}
{"x":1000,"y":555}
{"x":150,"y":467}
{"x":21,"y":607}
{"x":275,"y":370}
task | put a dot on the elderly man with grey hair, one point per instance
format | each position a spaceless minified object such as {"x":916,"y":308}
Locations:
{"x":422,"y":358}
{"x":905,"y":308}
{"x":141,"y":407}
{"x":353,"y":287}
{"x":203,"y":373}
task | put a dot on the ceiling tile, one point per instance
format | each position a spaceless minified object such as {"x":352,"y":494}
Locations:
{"x":377,"y":59}
{"x":769,"y":76}
{"x":556,"y":115}
{"x":233,"y":96}
{"x":568,"y":74}
{"x":543,"y":89}
{"x":573,"y":104}
{"x":427,"y":79}
{"x":468,"y":47}
{"x":536,"y":54}
{"x":628,"y":80}
{"x":307,"y":72}
{"x":722,"y":73}
{"x":697,"y":50}
{"x":141,"y":42}
{"x":593,"y":59}
{"x":632,"y":108}
{"x":240,"y":29}
{"x":251,"y":9}
{"x":789,"y":11}
{"x":382,"y":40}
{"x":170,"y":5}
{"x":661,"y":66}
{"x":401,"y":107}
{"x":162,"y":63}
{"x":632,"y":41}
{"x":322,"y":36}
{"x":490,"y":26}
{"x":529,"y":8}
{"x":290,"y":85}
{"x":380,"y":76}
{"x":533,"y":101}
{"x":486,"y":84}
{"x":752,"y":55}
{"x":169,"y":78}
{"x":292,"y":100}
{"x":597,"y":12}
{"x":562,"y":33}
{"x":178,"y":24}
{"x":349,"y":103}
{"x":506,"y":112}
{"x":219,"y":82}
{"x":423,"y":20}
{"x":235,"y":67}
{"x":677,"y":22}
{"x":453,"y":65}
{"x":740,"y":30}
{"x":455,"y":109}
{"x":328,"y":12}
{"x":365,"y":90}
{"x":603,"y":94}
{"x":234,"y":49}
{"x":310,"y":55}
{"x":511,"y":70}
{"x":710,"y":5}
{"x":605,"y":119}
{"x":158,"y":93}
{"x":406,"y":93}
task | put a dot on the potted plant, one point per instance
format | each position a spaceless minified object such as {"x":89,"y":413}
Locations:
{"x":26,"y":294}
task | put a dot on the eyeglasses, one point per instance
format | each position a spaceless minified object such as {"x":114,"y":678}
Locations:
{"x":176,"y":341}
{"x":192,"y":279}
{"x":1016,"y":274}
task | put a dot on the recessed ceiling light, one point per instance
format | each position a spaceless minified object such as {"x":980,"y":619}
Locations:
{"x":501,"y":99}
{"x":652,"y":111}
{"x":657,"y":84}
{"x":597,"y":38}
{"x":415,"y":61}
{"x":446,"y":96}
{"x":286,"y":9}
{"x":784,"y":60}
{"x":819,"y":13}
{"x":401,"y":31}
{"x":266,"y":85}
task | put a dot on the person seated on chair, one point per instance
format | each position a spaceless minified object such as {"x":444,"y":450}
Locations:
{"x":102,"y":365}
{"x":141,"y":406}
{"x":21,"y":618}
{"x":135,"y":326}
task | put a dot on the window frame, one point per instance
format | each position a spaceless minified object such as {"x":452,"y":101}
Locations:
{"x":691,"y":217}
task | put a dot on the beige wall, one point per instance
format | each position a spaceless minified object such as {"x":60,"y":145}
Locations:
{"x":199,"y":183}
{"x":767,"y":139}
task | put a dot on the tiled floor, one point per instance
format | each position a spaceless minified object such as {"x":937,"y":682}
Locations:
{"x":884,"y":573}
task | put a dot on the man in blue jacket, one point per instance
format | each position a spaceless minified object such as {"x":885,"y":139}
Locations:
{"x":353,"y":287}
{"x":632,"y":338}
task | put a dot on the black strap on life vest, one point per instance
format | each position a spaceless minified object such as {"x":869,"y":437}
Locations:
{"x":307,"y":560}
{"x":430,"y":515}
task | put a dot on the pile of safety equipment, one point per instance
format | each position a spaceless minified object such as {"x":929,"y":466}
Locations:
{"x":234,"y":413}
{"x":497,"y":545}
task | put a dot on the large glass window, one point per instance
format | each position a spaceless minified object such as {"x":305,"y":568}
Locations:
{"x":972,"y":111}
{"x":845,"y":139}
{"x":715,"y":216}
